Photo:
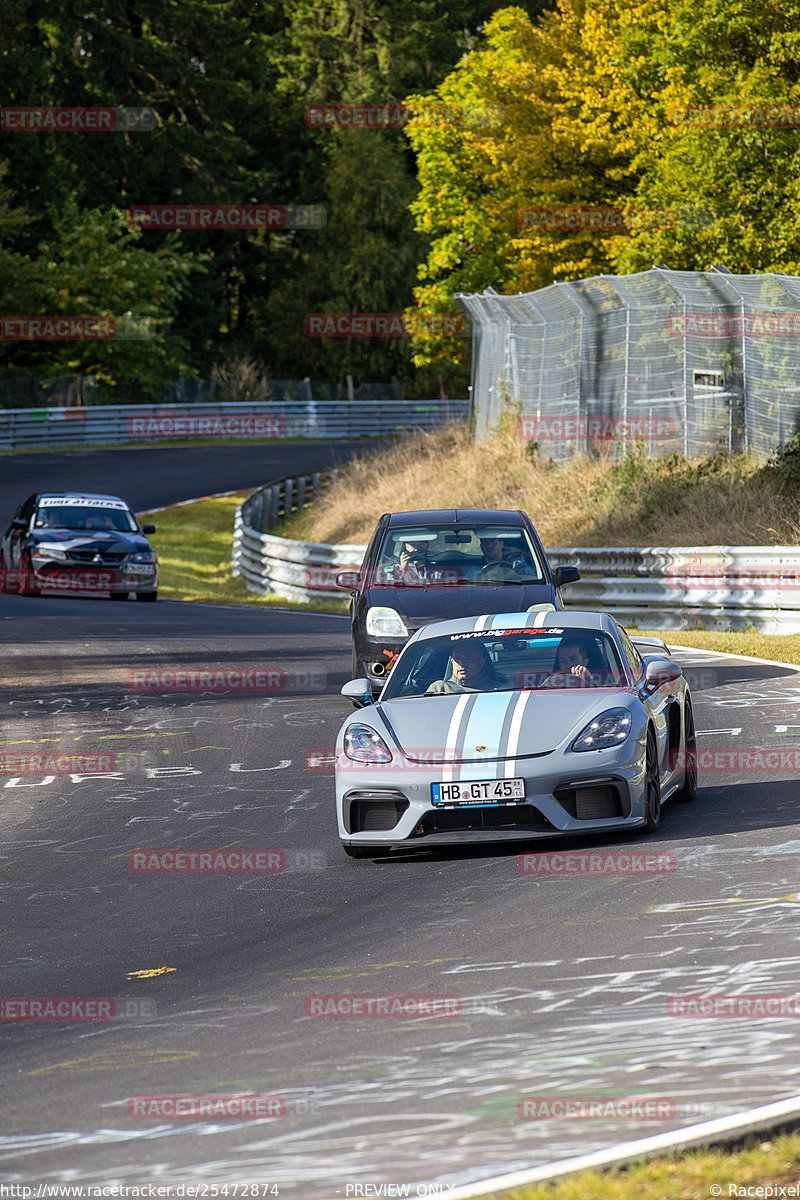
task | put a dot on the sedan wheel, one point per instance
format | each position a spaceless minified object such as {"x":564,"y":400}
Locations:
{"x":28,"y":583}
{"x":147,"y":595}
{"x":652,"y":787}
{"x":689,"y":789}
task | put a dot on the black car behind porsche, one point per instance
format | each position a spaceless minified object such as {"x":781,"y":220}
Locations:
{"x":78,"y":542}
{"x":437,"y":564}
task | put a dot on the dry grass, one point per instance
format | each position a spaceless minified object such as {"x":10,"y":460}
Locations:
{"x":723,"y":500}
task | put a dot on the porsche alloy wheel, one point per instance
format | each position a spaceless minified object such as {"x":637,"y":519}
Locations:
{"x":689,"y":789}
{"x":652,"y":786}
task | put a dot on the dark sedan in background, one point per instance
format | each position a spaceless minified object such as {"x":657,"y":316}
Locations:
{"x":437,"y":564}
{"x":78,"y":542}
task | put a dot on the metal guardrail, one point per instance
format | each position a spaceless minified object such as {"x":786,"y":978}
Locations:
{"x":118,"y":424}
{"x":667,"y":587}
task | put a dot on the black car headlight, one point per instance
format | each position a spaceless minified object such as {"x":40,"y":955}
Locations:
{"x":144,"y":556}
{"x":49,"y":551}
{"x":610,"y":729}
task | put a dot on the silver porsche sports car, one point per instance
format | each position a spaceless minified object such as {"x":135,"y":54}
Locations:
{"x":512,"y":727}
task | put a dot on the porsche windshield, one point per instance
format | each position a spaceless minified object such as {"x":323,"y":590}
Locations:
{"x":89,"y":517}
{"x":506,"y":660}
{"x":441,"y":555}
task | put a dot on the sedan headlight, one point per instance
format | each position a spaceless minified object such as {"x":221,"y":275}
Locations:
{"x":609,"y":729}
{"x":385,"y":623}
{"x":48,"y":550}
{"x":145,"y":556}
{"x":363,"y":744}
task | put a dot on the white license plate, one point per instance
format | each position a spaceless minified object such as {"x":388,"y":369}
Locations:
{"x":478,"y":791}
{"x":138,"y":569}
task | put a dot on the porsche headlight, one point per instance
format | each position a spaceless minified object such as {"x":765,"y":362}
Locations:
{"x":385,"y":623}
{"x":363,"y":744}
{"x":609,"y":729}
{"x":48,"y":550}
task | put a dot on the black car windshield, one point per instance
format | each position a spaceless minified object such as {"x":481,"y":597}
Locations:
{"x":76,"y":514}
{"x":443,"y":555}
{"x":506,"y":660}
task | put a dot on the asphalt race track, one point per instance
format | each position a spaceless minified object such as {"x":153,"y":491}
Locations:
{"x":561,"y":981}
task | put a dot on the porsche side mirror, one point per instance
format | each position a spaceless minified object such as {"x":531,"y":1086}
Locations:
{"x":564,"y":575}
{"x":148,"y":529}
{"x":359,"y":691}
{"x":659,"y":671}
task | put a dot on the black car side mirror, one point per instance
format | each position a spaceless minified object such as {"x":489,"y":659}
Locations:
{"x":148,"y":529}
{"x":564,"y":575}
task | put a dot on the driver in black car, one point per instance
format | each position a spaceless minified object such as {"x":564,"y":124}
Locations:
{"x":494,"y":553}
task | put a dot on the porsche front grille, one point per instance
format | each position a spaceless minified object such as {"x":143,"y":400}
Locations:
{"x":501,"y":816}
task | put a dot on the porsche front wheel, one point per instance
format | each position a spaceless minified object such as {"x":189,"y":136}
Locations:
{"x":688,"y":790}
{"x":652,"y":786}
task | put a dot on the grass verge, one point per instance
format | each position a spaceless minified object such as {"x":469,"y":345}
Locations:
{"x":775,"y":647}
{"x":194,"y":544}
{"x":725,"y":499}
{"x":689,"y":1176}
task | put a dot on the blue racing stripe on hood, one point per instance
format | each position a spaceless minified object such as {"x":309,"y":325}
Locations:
{"x":484,"y":728}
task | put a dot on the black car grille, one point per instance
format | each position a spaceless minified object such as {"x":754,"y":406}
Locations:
{"x":595,"y":801}
{"x":105,"y":557}
{"x":503,"y":816}
{"x":375,"y":811}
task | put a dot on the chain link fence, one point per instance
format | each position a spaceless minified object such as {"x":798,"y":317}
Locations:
{"x":678,"y":360}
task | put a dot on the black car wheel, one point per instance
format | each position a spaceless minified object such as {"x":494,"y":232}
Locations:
{"x":689,"y":789}
{"x":360,"y":851}
{"x":28,"y":583}
{"x":147,"y":595}
{"x":118,"y":595}
{"x":652,"y":786}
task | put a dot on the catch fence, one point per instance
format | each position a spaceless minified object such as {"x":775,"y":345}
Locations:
{"x":681,"y":361}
